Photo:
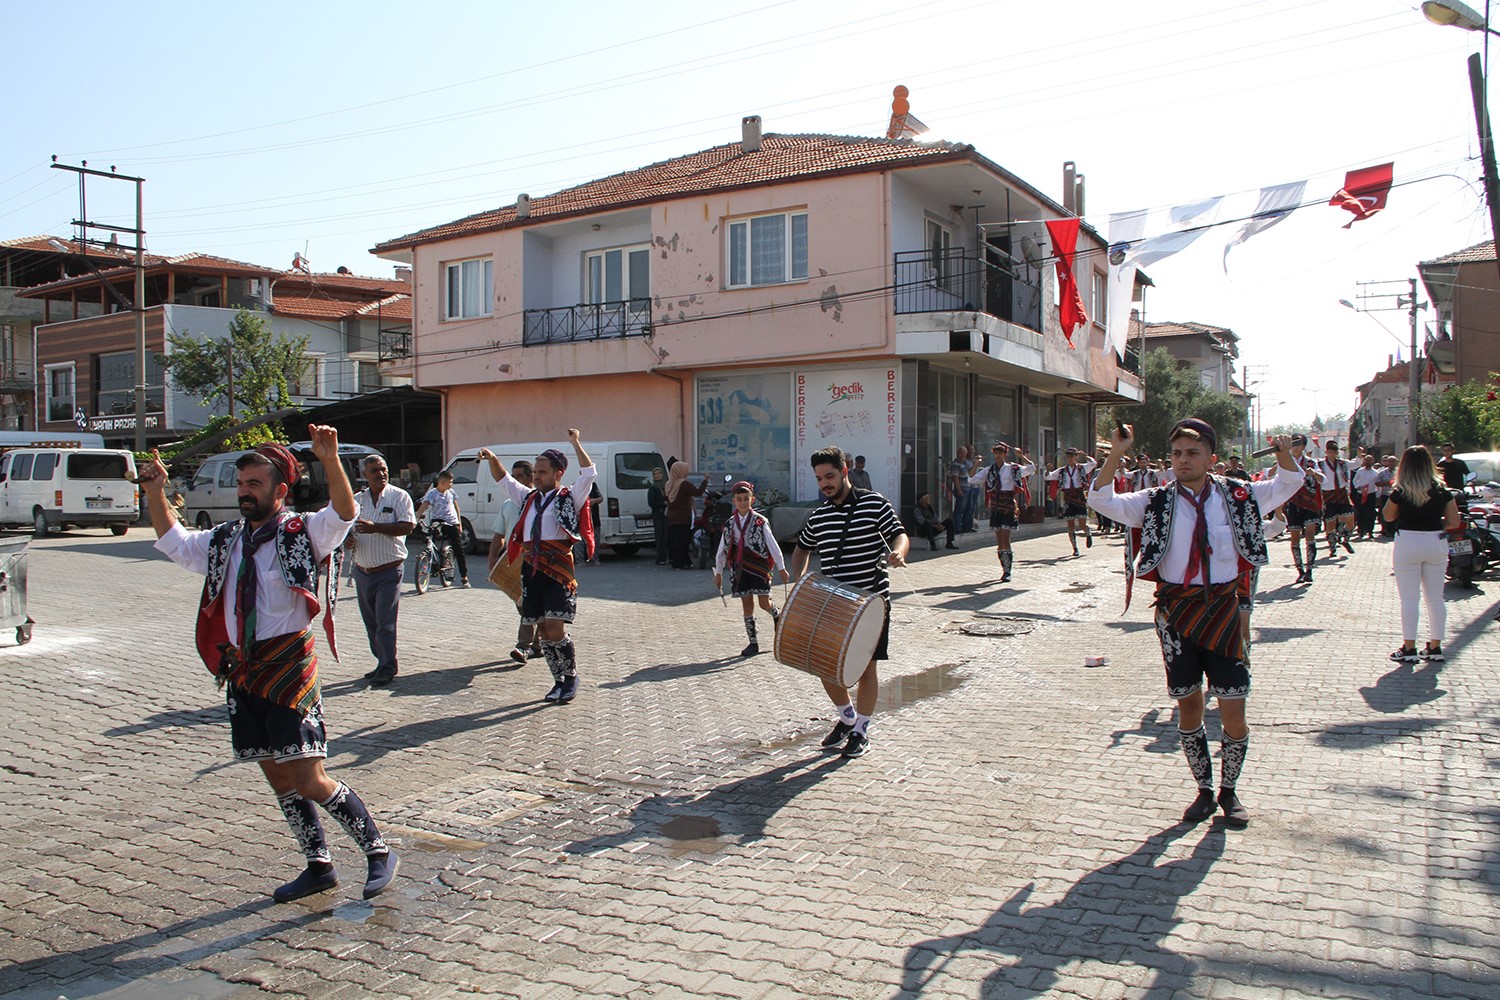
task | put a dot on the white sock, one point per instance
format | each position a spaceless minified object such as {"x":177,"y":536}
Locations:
{"x":847,"y":715}
{"x":861,"y":724}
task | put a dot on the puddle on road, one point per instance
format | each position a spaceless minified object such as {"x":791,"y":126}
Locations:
{"x":691,"y":833}
{"x":427,"y":840}
{"x":896,"y":692}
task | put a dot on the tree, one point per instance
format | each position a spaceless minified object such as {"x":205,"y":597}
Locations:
{"x":1173,"y":392}
{"x":1465,"y":415}
{"x":249,"y":370}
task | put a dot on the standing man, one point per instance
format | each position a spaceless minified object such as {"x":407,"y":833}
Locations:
{"x":1001,"y":482}
{"x":1452,"y":470}
{"x":1237,"y":470}
{"x":972,"y":493}
{"x":528,"y":645}
{"x":1072,"y":488}
{"x":852,"y":530}
{"x":958,"y":485}
{"x":1366,"y":486}
{"x":1304,"y":512}
{"x":386,"y":517}
{"x":552,"y":518}
{"x":858,"y":477}
{"x":1338,"y":502}
{"x":1199,"y":538}
{"x":254,"y":636}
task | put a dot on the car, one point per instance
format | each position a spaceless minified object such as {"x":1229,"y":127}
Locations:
{"x":213,"y":494}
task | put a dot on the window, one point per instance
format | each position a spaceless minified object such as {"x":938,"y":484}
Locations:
{"x":93,"y":466}
{"x":115,"y":381}
{"x":369,"y":376}
{"x":45,"y":463}
{"x":768,"y":250}
{"x":22,"y":469}
{"x":60,"y":386}
{"x":309,"y":381}
{"x":229,"y":475}
{"x":465,"y":471}
{"x":470,"y":288}
{"x":633,"y":469}
{"x":617,"y":274}
{"x":939,"y":260}
{"x":1099,"y":304}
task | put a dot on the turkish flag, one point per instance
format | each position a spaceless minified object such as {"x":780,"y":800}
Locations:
{"x":1364,"y":191}
{"x":1070,"y":311}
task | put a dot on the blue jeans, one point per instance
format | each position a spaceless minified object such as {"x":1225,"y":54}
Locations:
{"x":379,"y":598}
{"x":972,"y":507}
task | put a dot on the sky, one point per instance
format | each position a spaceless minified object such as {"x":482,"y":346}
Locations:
{"x":270,"y":129}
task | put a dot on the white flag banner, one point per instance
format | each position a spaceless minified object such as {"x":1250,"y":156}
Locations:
{"x":1187,"y":223}
{"x":1127,"y":227}
{"x":1121,"y":294}
{"x":1200,"y":213}
{"x":1275,"y":204}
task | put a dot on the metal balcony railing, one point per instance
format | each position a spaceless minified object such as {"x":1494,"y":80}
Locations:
{"x":601,"y":321}
{"x":959,"y":279}
{"x":395,"y":345}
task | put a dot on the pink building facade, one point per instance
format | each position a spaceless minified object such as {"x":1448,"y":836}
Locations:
{"x":747,"y":305}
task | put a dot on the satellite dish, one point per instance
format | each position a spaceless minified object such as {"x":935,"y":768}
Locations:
{"x":1031,"y":251}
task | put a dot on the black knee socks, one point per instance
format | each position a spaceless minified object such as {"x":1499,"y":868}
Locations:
{"x":347,"y":807}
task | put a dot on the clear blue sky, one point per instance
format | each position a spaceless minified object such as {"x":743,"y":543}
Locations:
{"x":270,"y":129}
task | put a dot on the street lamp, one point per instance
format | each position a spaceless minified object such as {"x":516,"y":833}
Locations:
{"x":1452,"y":13}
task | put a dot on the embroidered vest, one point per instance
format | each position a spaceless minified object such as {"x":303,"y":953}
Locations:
{"x":1244,"y":522}
{"x":567,"y":518}
{"x":992,"y":488}
{"x":299,"y":571}
{"x":1310,"y":496}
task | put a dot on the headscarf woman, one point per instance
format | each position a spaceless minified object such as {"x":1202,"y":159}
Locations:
{"x":680,"y":495}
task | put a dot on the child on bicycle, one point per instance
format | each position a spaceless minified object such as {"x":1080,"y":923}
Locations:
{"x":442,"y":505}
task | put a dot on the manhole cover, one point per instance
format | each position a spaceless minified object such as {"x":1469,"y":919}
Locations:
{"x":997,"y":628}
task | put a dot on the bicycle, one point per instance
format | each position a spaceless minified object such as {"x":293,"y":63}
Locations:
{"x":433,"y":558}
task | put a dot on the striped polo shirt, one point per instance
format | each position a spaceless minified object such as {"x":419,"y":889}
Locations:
{"x":856,"y":555}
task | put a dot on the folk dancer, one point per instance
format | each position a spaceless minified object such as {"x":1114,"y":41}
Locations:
{"x":1144,"y":477}
{"x":1072,"y":487}
{"x":855,"y":534}
{"x":550,"y":522}
{"x":253,"y":633}
{"x":1001,"y":482}
{"x":1198,"y":539}
{"x":748,"y":547}
{"x":1304,"y":512}
{"x":1338,"y":503}
{"x":1365,"y":484}
{"x":528,"y":639}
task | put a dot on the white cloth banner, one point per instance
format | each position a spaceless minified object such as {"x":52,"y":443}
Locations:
{"x":1121,"y":294}
{"x":1187,"y":223}
{"x":1275,"y":204}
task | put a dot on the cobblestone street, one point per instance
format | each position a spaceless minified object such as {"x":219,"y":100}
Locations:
{"x":677,"y":831}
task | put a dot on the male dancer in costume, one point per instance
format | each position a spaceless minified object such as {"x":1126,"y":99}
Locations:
{"x":1001,"y":482}
{"x":1338,"y":503}
{"x":550,"y":522}
{"x":528,"y":642}
{"x":749,"y":548}
{"x":1072,"y":487}
{"x":259,"y":599}
{"x":854,"y":532}
{"x":1198,"y":539}
{"x":1304,"y":512}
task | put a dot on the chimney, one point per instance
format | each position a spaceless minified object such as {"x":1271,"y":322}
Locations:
{"x":403,"y":274}
{"x":523,"y":206}
{"x":343,"y":270}
{"x":750,"y":134}
{"x":1078,"y":197}
{"x":1070,"y":185}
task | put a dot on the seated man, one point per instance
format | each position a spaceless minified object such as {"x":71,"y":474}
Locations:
{"x":928,"y":524}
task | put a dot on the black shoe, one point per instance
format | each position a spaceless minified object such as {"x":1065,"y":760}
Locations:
{"x":1202,"y":808}
{"x":1005,"y":578}
{"x":518,"y":654}
{"x":383,"y":868}
{"x":372,"y":674}
{"x":837,"y":735}
{"x":534,"y":653}
{"x":568,"y":690}
{"x":950,"y":545}
{"x":1347,"y":547}
{"x":1236,"y":816}
{"x":1075,"y":550}
{"x":1404,"y":655}
{"x":1433,"y":654}
{"x":857,"y":745}
{"x":556,"y":690}
{"x":382,"y":678}
{"x":309,"y":882}
{"x":1301,"y":577}
{"x":751,"y":650}
{"x":1088,"y":541}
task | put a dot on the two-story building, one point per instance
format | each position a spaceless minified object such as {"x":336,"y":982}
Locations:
{"x":1464,"y":287}
{"x":746,"y":305}
{"x":1209,"y":350}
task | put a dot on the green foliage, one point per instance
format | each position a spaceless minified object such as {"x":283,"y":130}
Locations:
{"x":262,"y":361}
{"x":1466,"y":415}
{"x":1287,"y":429}
{"x":1173,"y":392}
{"x":257,"y":435}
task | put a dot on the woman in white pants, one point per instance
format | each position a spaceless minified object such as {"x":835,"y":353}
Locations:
{"x":1423,"y":512}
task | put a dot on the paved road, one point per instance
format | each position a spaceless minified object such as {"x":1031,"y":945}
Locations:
{"x":676,"y":831}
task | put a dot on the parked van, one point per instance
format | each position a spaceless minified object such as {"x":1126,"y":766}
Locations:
{"x":623,"y":476}
{"x":213,"y":496}
{"x":54,"y":488}
{"x":49,"y":439}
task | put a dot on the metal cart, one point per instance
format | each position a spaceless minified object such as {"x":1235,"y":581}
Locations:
{"x":13,"y":586}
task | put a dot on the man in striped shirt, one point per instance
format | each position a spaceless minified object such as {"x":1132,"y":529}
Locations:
{"x":854,"y":533}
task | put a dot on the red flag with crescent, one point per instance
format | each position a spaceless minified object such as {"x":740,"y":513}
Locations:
{"x":1364,"y":191}
{"x":1070,"y":312}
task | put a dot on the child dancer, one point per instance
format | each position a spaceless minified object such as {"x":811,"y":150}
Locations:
{"x":748,"y":546}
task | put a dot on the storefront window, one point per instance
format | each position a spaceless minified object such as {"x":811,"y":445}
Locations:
{"x":744,"y":429}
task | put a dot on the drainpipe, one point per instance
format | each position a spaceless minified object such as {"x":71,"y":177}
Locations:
{"x":682,"y":403}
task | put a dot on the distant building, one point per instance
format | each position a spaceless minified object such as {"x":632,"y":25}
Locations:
{"x":1464,"y":287}
{"x":1384,"y":402}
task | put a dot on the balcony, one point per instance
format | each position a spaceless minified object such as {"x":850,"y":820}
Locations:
{"x":960,"y":280}
{"x":16,"y":378}
{"x":580,"y":323}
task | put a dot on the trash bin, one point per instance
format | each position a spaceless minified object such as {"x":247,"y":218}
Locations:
{"x":13,"y":586}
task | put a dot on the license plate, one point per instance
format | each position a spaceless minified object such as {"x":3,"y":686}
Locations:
{"x":1464,"y":547}
{"x":96,"y":503}
{"x":643,"y":522}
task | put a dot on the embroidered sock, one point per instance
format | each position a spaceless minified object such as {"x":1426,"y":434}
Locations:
{"x":1195,"y":749}
{"x":862,"y":724}
{"x":550,"y":654}
{"x":302,"y":817}
{"x":1232,"y":759}
{"x":1312,"y":551}
{"x":1297,"y":557}
{"x":565,"y":661}
{"x":750,"y":627}
{"x":349,"y":809}
{"x":1006,"y":560}
{"x":775,"y":615}
{"x":847,"y":715}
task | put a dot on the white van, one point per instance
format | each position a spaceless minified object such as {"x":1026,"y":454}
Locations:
{"x":623,"y":476}
{"x":213,"y":495}
{"x":53,"y":488}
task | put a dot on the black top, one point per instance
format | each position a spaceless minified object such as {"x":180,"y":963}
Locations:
{"x":851,"y":538}
{"x":1424,"y":516}
{"x":1453,"y":471}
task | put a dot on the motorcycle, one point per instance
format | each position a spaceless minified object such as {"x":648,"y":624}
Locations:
{"x":1469,"y":552}
{"x":434,"y":558}
{"x":708,"y":527}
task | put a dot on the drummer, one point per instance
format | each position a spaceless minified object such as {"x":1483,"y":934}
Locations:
{"x":855,"y":532}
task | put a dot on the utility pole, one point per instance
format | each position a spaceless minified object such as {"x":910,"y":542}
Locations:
{"x":139,"y":306}
{"x":1404,"y":303}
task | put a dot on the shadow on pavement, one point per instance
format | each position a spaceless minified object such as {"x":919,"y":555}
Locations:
{"x":1377,"y":732}
{"x":367,"y":745}
{"x":426,"y":683}
{"x":1271,"y":636}
{"x":1041,"y":940}
{"x":677,"y":671}
{"x":176,"y":717}
{"x":1157,"y":726}
{"x":1403,"y":688}
{"x":738,"y":810}
{"x":132,"y":548}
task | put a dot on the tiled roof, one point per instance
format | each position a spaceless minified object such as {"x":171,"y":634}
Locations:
{"x":352,"y":285}
{"x":1468,"y":255}
{"x":780,"y":158}
{"x":43,"y":244}
{"x":343,"y":282}
{"x":1400,"y":372}
{"x":393,"y":308}
{"x":1189,"y":330}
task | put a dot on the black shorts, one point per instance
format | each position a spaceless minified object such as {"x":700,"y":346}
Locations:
{"x":1071,"y":509}
{"x":1332,"y":510}
{"x":1188,"y":663}
{"x":260,"y":729}
{"x":747,"y":584}
{"x":883,"y":647}
{"x":1000,"y":521}
{"x":543,"y":597}
{"x":1298,"y":518}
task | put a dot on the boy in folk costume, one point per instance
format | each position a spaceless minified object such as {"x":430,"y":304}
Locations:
{"x":1199,"y":537}
{"x":253,"y":633}
{"x":1072,"y":480}
{"x":1338,"y":502}
{"x":749,"y":548}
{"x":553,"y":518}
{"x":1001,"y":482}
{"x":1304,"y":512}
